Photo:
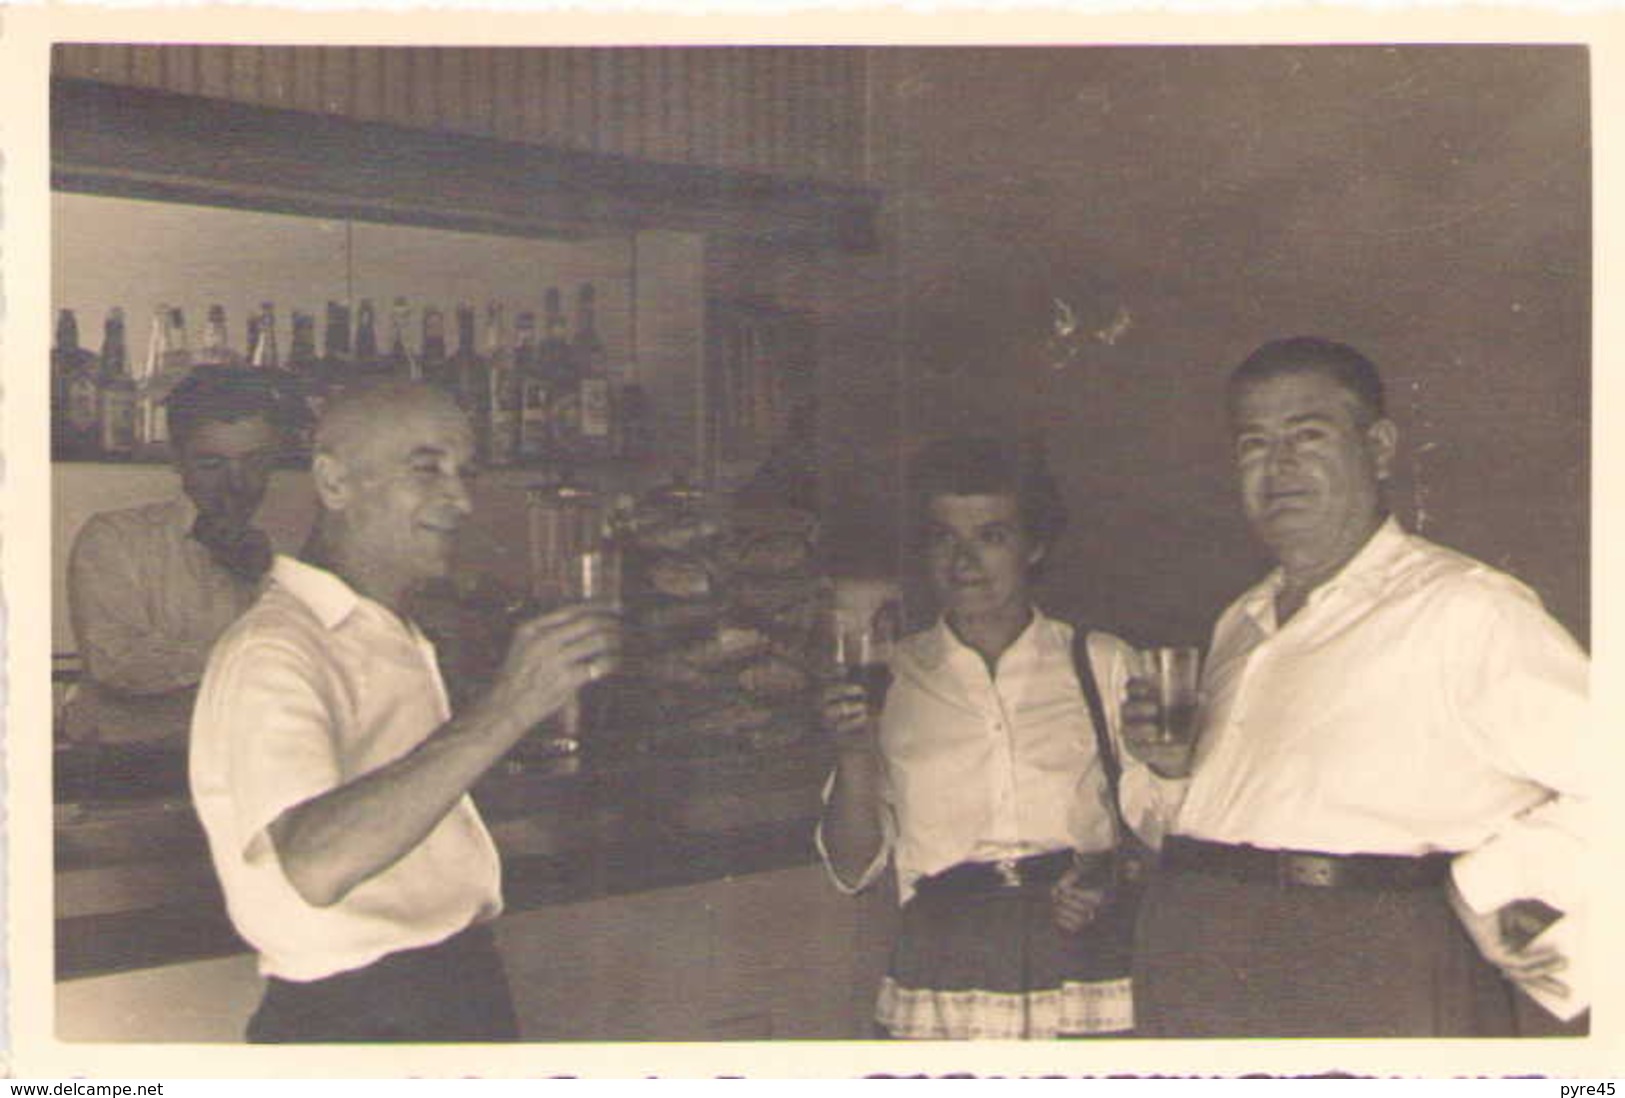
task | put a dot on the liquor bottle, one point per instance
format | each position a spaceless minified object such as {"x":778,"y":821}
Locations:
{"x":76,"y":425}
{"x":337,"y":359}
{"x":465,"y":369}
{"x":401,"y":363}
{"x":435,"y":364}
{"x":264,"y":354}
{"x":559,"y":375}
{"x":302,"y":347}
{"x":304,"y":373}
{"x":500,"y":403}
{"x":366,"y":341}
{"x":535,"y":392}
{"x":177,"y":359}
{"x":595,"y":391}
{"x":115,"y":393}
{"x":167,"y":362}
{"x":251,"y":346}
{"x":301,"y":343}
{"x":147,"y":409}
{"x":214,"y":349}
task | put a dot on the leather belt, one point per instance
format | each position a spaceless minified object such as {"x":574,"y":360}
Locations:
{"x":1035,"y":870}
{"x":1304,"y":868}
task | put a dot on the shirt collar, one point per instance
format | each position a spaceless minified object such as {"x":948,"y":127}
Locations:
{"x":941,"y":644}
{"x":328,"y":597}
{"x":1367,"y":570}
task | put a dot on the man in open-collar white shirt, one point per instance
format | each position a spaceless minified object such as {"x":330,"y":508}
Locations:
{"x":330,"y":775}
{"x":1473,"y":676}
{"x":334,"y":685}
{"x":1376,"y":695}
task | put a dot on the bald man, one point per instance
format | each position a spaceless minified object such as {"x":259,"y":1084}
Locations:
{"x":330,"y":775}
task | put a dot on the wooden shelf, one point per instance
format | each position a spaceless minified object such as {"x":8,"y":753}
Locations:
{"x":139,"y":143}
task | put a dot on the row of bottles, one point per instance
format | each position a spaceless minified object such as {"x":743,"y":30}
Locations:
{"x":536,"y":394}
{"x":544,"y":394}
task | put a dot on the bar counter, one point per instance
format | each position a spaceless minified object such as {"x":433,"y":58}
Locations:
{"x":135,"y":889}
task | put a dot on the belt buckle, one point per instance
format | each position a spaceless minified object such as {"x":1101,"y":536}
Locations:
{"x":1009,"y":872}
{"x":1311,"y":870}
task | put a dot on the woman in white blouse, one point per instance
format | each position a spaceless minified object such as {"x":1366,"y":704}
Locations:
{"x":981,"y":781}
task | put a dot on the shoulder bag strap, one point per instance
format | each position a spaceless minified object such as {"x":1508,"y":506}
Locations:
{"x":1097,"y":712}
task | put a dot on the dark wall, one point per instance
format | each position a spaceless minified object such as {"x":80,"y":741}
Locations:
{"x":1427,"y":204}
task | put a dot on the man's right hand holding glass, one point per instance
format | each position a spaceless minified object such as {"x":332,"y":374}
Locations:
{"x":550,"y":658}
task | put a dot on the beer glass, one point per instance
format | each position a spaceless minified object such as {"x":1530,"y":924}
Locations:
{"x":1175,"y":674}
{"x":861,"y":647}
{"x":571,"y":560}
{"x":594,"y":575}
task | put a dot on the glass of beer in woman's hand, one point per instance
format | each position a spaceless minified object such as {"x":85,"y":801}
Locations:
{"x":862,"y":650}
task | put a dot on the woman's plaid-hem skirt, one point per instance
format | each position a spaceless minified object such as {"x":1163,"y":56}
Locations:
{"x":994,"y":966}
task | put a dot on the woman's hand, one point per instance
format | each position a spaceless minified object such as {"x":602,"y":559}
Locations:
{"x":846,"y":717}
{"x":1074,"y":906}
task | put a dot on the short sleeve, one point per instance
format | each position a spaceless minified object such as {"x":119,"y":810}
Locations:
{"x":266,"y":716}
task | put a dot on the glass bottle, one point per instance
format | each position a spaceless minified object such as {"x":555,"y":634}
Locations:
{"x":214,"y":348}
{"x":595,"y":440}
{"x":168,"y":360}
{"x":557,"y":369}
{"x":302,"y":345}
{"x":465,"y":369}
{"x":535,"y":391}
{"x":177,"y":359}
{"x":76,"y":423}
{"x":337,"y":358}
{"x":265,"y":355}
{"x":116,"y":396}
{"x":500,"y":403}
{"x":401,"y":363}
{"x":253,"y":343}
{"x":435,"y":364}
{"x":307,"y":394}
{"x":366,"y":341}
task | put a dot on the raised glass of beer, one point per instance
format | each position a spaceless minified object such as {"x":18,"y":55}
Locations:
{"x":862,"y":650}
{"x":1176,"y":674}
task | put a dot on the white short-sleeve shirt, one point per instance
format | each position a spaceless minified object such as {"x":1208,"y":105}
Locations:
{"x":313,"y":687}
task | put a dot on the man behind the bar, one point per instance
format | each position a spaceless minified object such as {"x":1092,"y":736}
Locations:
{"x":1391,"y":766}
{"x":329,"y":773}
{"x":150,"y":588}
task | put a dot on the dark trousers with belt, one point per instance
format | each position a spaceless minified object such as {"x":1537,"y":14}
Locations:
{"x":1229,"y":954}
{"x":456,"y":990}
